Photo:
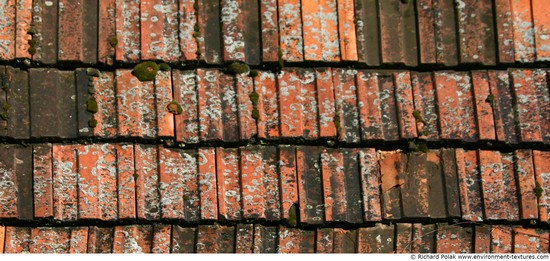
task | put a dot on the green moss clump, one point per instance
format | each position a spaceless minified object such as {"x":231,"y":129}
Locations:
{"x":136,"y":176}
{"x":538,"y":190}
{"x":146,"y":71}
{"x":32,"y":46}
{"x":336,"y":121}
{"x":91,"y":105}
{"x":253,"y":73}
{"x":196,"y":34}
{"x":164,"y":67}
{"x":113,"y":41}
{"x":490,"y":98}
{"x":418,"y":146}
{"x":175,"y":108}
{"x":93,"y":72}
{"x":424,"y":133}
{"x":254,"y":97}
{"x":92,"y":123}
{"x":292,"y":219}
{"x":423,"y":147}
{"x":255,"y":114}
{"x":281,"y":61}
{"x":4,"y":112}
{"x":32,"y":30}
{"x":238,"y":68}
{"x":417,"y":116}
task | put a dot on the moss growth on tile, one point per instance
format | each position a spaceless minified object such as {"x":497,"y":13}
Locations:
{"x":91,"y":105}
{"x":292,"y":219}
{"x":237,"y":68}
{"x":424,"y":133}
{"x":255,"y":114}
{"x":146,"y":71}
{"x":164,"y":67}
{"x":174,"y":107}
{"x":136,"y":176}
{"x":336,"y":122}
{"x":418,"y":146}
{"x":32,"y":46}
{"x":93,"y":72}
{"x":254,"y":97}
{"x":113,"y":41}
{"x":490,"y":98}
{"x":253,"y":73}
{"x":538,"y":190}
{"x":196,"y":34}
{"x":92,"y":123}
{"x":418,"y":116}
{"x":281,"y":61}
{"x":4,"y":115}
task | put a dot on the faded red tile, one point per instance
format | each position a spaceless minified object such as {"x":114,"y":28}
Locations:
{"x":526,"y":184}
{"x":79,"y":240}
{"x":126,"y":181}
{"x":542,"y":92}
{"x":17,"y":240}
{"x":397,"y":33}
{"x":159,"y":30}
{"x":135,"y":106}
{"x":475,"y":23}
{"x":46,"y":240}
{"x":501,"y":239}
{"x":7,"y":29}
{"x":207,"y":183}
{"x":425,"y":103}
{"x":404,"y":238}
{"x":232,"y":18}
{"x":210,"y":105}
{"x":290,"y":30}
{"x":469,"y":185}
{"x":308,"y":93}
{"x":392,"y":169}
{"x":2,"y":238}
{"x":423,"y":239}
{"x":265,"y":239}
{"x":324,"y":240}
{"x":482,"y":240}
{"x":405,"y":105}
{"x":309,"y":183}
{"x":526,"y":106}
{"x":247,"y":124}
{"x":163,"y":97}
{"x":107,"y":32}
{"x":185,"y":94}
{"x":268,"y":105}
{"x":147,"y":182}
{"x":289,"y":240}
{"x":229,"y":107}
{"x":346,"y":29}
{"x":377,"y":239}
{"x":210,"y":42}
{"x":504,"y":31}
{"x":320,"y":30}
{"x":524,"y":38}
{"x":161,"y":239}
{"x":446,"y":49}
{"x":368,"y":101}
{"x":187,"y":21}
{"x":454,"y":239}
{"x":541,"y":20}
{"x":368,"y":33}
{"x":491,"y":172}
{"x":45,"y":21}
{"x":325,"y":101}
{"x":388,"y":106}
{"x":127,"y":26}
{"x":105,"y":97}
{"x":347,"y":113}
{"x":370,"y":183}
{"x":456,"y":106}
{"x":183,"y":239}
{"x":208,"y":239}
{"x":334,"y":186}
{"x":179,"y":184}
{"x":503,"y":107}
{"x":244,"y":238}
{"x":509,"y":182}
{"x":23,"y":21}
{"x":529,"y":240}
{"x":253,"y":189}
{"x":541,"y":161}
{"x":228,"y":178}
{"x":43,"y":181}
{"x":484,"y":109}
{"x":100,"y":240}
{"x":65,"y":182}
{"x":133,"y":239}
{"x":289,"y":186}
{"x":70,"y":31}
{"x":97,"y":189}
{"x":271,"y":181}
{"x":269,"y":30}
{"x":426,"y":31}
{"x":290,"y":103}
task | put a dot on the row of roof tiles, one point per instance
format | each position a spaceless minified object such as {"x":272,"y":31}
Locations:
{"x":348,"y":105}
{"x":299,"y":185}
{"x":254,"y":238}
{"x":445,"y":32}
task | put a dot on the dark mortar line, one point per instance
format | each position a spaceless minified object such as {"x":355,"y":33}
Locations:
{"x":323,"y":142}
{"x":48,"y":222}
{"x":274,"y":67}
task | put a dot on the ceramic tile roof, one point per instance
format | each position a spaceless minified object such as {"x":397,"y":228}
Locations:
{"x":362,"y":126}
